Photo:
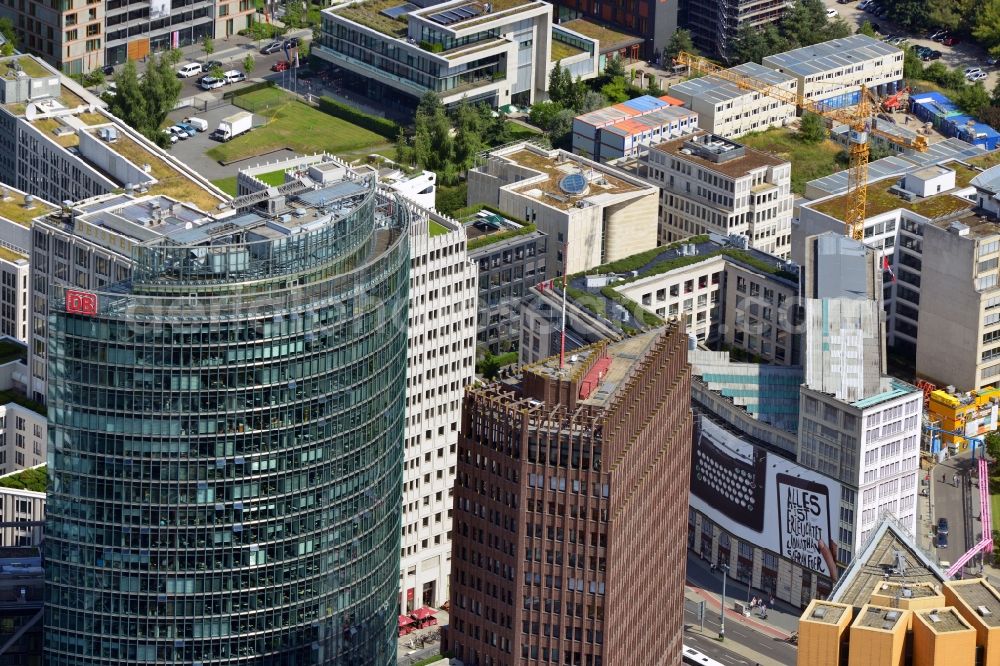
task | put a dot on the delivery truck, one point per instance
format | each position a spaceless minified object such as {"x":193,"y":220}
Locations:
{"x":233,"y":126}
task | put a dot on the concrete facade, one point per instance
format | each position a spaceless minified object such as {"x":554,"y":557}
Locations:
{"x":599,"y":215}
{"x":709,"y":183}
{"x":21,"y":506}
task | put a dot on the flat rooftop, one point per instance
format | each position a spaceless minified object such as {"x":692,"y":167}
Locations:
{"x":715,"y":90}
{"x":374,"y":14}
{"x":881,"y":200}
{"x":905,"y":590}
{"x":944,"y":620}
{"x":831,"y":55}
{"x":732,"y":168}
{"x":892,"y":388}
{"x":825,"y":613}
{"x":608,"y":39}
{"x":897,"y":165}
{"x":623,"y":356}
{"x":981,"y":598}
{"x":586,"y":181}
{"x":977,"y":226}
{"x":13,"y":207}
{"x":878,"y":617}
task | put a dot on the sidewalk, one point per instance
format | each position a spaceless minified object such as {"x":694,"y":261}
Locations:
{"x":778,"y":624}
{"x":231,"y":49}
{"x":782,"y":618}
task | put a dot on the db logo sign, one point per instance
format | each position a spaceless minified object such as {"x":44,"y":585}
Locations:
{"x":81,"y":302}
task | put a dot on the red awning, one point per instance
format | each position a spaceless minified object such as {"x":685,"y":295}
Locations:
{"x":423,"y":613}
{"x":404,"y":620}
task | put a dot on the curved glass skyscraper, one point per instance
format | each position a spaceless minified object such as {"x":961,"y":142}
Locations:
{"x":226,"y":438}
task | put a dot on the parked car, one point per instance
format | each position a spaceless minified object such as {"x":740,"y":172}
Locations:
{"x":198,"y":123}
{"x":187,"y":127}
{"x":942,"y":526}
{"x":951,"y":40}
{"x":280,"y":66}
{"x":273,"y":47}
{"x":170,"y":135}
{"x":972,"y":70}
{"x":210,"y":65}
{"x":933,"y":55}
{"x":189,"y":70}
{"x":942,"y":540}
{"x":178,"y":132}
{"x":978,"y":76}
{"x":940,"y":36}
{"x":921,"y":51}
{"x":291,"y":43}
{"x":992,"y":61}
{"x":877,"y":28}
{"x":233,"y":76}
{"x":871,"y":7}
{"x":211,"y":83}
{"x":831,"y":13}
{"x":108,"y":70}
{"x":939,"y":32}
{"x":864,"y":3}
{"x":881,"y":11}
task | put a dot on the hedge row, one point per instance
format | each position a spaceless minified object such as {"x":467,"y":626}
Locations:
{"x":381,"y":126}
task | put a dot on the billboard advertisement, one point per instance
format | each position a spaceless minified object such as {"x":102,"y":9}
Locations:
{"x":763,"y":498}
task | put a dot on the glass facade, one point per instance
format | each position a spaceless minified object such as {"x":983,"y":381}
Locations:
{"x":226,"y":448}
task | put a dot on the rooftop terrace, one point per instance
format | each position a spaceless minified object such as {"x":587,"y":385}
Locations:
{"x":27,"y":64}
{"x":609,"y":40}
{"x":369,"y":14}
{"x":881,"y":200}
{"x":171,"y":181}
{"x":551,"y":191}
{"x":13,"y":208}
{"x":734,"y":167}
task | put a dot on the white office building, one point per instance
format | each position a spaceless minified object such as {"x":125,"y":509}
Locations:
{"x":710,"y":184}
{"x":826,"y":70}
{"x":727,"y":110}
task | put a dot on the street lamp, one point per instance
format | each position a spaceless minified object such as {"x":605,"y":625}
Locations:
{"x":722,"y":609}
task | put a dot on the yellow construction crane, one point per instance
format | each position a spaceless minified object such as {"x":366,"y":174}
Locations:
{"x":859,"y":120}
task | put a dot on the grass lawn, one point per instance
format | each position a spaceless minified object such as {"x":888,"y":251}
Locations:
{"x":995,"y":506}
{"x":436,"y":229}
{"x":518,"y":131}
{"x":809,"y":160}
{"x":227,"y":185}
{"x":262,"y":101}
{"x":298,"y":127}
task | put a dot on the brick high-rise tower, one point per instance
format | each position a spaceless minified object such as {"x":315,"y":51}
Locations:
{"x":569,"y":537}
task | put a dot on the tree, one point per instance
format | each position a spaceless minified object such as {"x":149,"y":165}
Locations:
{"x":403,"y":153}
{"x":303,"y":48}
{"x":432,"y":140}
{"x":754,"y":43}
{"x":950,"y":14}
{"x":679,"y":41}
{"x":161,"y":88}
{"x":173,"y":56}
{"x":614,"y":68}
{"x":561,"y":129}
{"x":910,"y":14}
{"x":972,"y":99}
{"x":7,"y":49}
{"x":542,"y":113}
{"x":812,"y":128}
{"x":208,"y":45}
{"x":987,"y":25}
{"x":217,"y":72}
{"x":913,"y":67}
{"x":556,"y":92}
{"x":489,"y":366}
{"x":615,"y":91}
{"x":8,"y":32}
{"x":129,"y":101}
{"x":468,"y":135}
{"x":993,"y":445}
{"x":867,"y":29}
{"x":249,"y":64}
{"x":593,"y":100}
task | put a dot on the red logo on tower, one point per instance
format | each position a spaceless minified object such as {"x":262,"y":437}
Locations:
{"x":81,"y":302}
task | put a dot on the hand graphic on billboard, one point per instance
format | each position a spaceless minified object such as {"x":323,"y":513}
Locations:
{"x":829,"y":554}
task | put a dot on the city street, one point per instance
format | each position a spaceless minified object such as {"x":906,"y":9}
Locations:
{"x":959,"y":503}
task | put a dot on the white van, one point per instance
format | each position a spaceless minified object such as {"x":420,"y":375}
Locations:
{"x":197,"y":123}
{"x":190,"y":69}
